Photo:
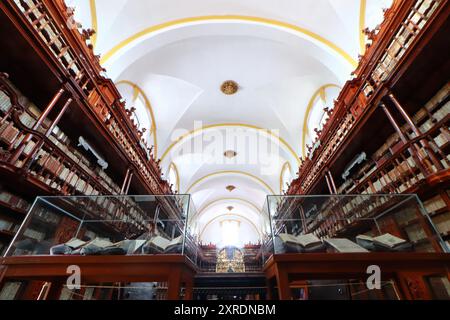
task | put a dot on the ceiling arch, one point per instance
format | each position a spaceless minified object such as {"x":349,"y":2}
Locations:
{"x":94,"y":24}
{"x":229,"y":200}
{"x":362,"y":25}
{"x":279,"y":53}
{"x":256,"y":229}
{"x":193,"y":132}
{"x":303,"y":32}
{"x":230,"y":172}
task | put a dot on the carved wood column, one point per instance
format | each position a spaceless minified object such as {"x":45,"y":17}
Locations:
{"x":394,"y":123}
{"x":333,"y":185}
{"x":412,"y":150}
{"x":129,"y":183}
{"x":15,"y":156}
{"x":125,"y":180}
{"x":328,"y":183}
{"x":303,"y":217}
{"x":416,"y":131}
{"x":48,"y":132}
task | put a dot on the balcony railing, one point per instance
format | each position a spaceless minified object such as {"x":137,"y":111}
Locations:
{"x":315,"y":223}
{"x":110,"y":113}
{"x":366,"y":90}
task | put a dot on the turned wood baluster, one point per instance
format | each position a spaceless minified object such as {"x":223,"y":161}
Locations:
{"x":417,"y":132}
{"x":328,"y":183}
{"x":15,"y":156}
{"x":48,"y":132}
{"x":402,"y":136}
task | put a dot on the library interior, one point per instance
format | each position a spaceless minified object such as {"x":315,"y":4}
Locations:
{"x":224,"y":150}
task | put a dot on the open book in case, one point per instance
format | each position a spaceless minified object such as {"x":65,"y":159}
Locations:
{"x":349,"y":223}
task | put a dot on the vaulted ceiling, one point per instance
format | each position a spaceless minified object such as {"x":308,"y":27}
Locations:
{"x":289,"y":59}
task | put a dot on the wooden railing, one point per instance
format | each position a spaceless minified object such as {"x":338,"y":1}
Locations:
{"x":400,"y":173}
{"x":56,"y":168}
{"x":395,"y":39}
{"x":50,"y":26}
{"x":48,"y":20}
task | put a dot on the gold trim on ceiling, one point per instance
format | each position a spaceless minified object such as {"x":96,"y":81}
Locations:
{"x":228,"y":214}
{"x":362,"y":25}
{"x":267,"y":131}
{"x":228,"y":172}
{"x":94,"y":21}
{"x":318,"y":92}
{"x":270,"y":22}
{"x":136,"y":91}
{"x":204,"y":207}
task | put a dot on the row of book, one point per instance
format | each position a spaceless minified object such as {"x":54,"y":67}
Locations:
{"x":10,"y":290}
{"x":8,"y":133}
{"x":14,"y":201}
{"x":5,"y":102}
{"x":8,"y":225}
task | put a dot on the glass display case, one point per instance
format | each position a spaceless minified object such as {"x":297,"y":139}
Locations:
{"x":348,"y":223}
{"x":106,"y":225}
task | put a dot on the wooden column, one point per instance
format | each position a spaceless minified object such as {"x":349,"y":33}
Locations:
{"x":303,"y":217}
{"x":403,"y":138}
{"x":125,"y":180}
{"x":416,"y":131}
{"x":328,"y":183}
{"x":48,"y":132}
{"x":173,"y":285}
{"x":269,"y":285}
{"x":58,"y":117}
{"x":15,"y":156}
{"x":284,"y":289}
{"x":394,"y":123}
{"x":129,"y":182}
{"x":188,"y":288}
{"x":44,"y":291}
{"x":333,"y":185}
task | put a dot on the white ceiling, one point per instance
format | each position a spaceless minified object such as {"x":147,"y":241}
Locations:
{"x":179,"y":52}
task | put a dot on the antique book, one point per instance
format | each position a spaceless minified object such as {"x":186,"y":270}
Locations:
{"x":305,"y":240}
{"x":344,"y":245}
{"x":130,"y":246}
{"x":389,"y":241}
{"x":365,"y":241}
{"x":163,"y":244}
{"x":75,"y":243}
{"x":99,"y":242}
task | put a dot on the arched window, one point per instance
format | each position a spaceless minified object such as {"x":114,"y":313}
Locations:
{"x":230,"y":232}
{"x":173,"y":177}
{"x":285,"y":177}
{"x":316,"y":118}
{"x":143,"y":115}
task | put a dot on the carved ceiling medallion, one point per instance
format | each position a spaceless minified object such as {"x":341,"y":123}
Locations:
{"x":229,"y":87}
{"x":230,"y":188}
{"x":230,"y":154}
